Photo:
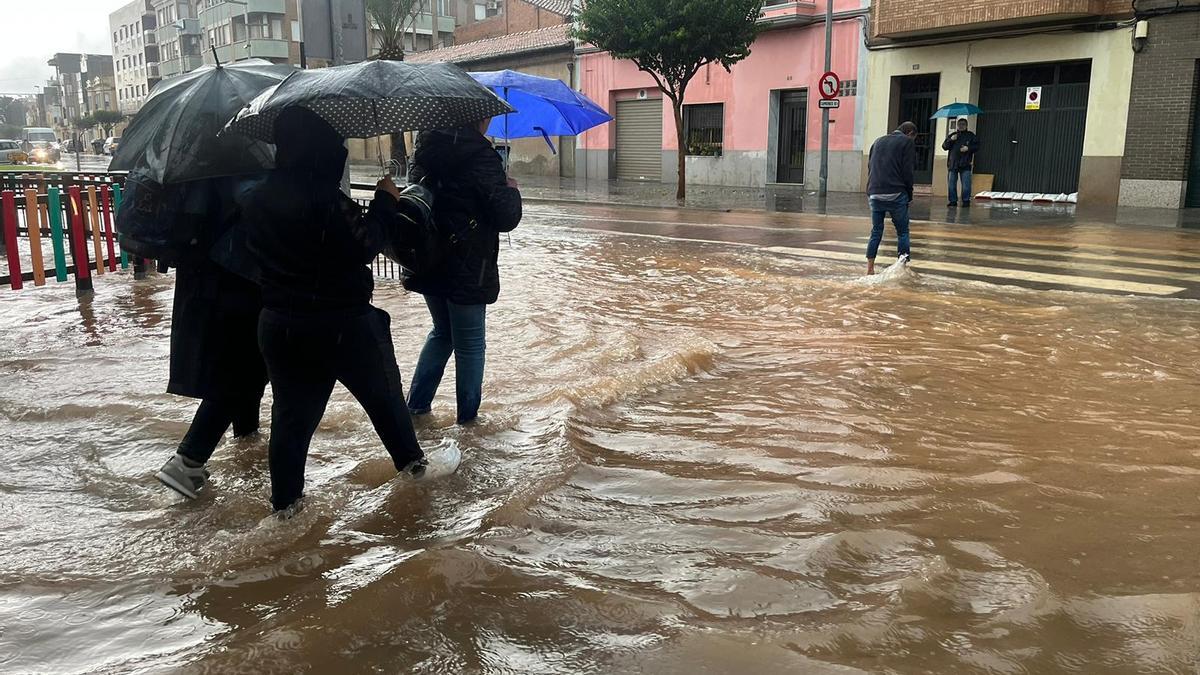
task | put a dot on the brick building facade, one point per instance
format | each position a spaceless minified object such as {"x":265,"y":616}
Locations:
{"x":1162,"y":145}
{"x":515,"y":16}
{"x":917,"y":17}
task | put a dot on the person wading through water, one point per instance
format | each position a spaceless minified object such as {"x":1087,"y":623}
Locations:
{"x":318,"y":327}
{"x":475,"y":202}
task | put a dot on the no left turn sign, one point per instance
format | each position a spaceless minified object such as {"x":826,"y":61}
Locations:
{"x":829,"y":85}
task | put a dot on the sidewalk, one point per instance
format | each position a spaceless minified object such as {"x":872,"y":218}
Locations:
{"x":797,"y":199}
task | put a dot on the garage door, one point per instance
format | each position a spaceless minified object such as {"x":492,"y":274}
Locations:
{"x":639,"y":139}
{"x":1033,"y":150}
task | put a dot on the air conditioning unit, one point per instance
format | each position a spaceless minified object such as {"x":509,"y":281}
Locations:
{"x":493,"y":4}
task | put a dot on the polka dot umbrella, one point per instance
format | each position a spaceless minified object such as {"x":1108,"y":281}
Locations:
{"x":373,"y":98}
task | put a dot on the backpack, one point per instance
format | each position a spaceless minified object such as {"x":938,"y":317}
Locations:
{"x":164,"y":222}
{"x":416,"y":244}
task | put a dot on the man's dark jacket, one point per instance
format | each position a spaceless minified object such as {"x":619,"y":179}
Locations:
{"x":958,"y":160}
{"x":473,"y":204}
{"x":890,"y":168}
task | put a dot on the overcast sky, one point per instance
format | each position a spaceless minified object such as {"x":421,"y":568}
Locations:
{"x":31,"y":31}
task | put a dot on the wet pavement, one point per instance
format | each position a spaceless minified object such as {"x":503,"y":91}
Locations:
{"x":708,"y":445}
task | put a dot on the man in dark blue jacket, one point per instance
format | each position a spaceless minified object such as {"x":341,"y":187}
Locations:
{"x":890,"y":188}
{"x":962,"y":144}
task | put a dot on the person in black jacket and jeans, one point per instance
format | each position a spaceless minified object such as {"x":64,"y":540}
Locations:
{"x":893,"y":159}
{"x":475,"y":201}
{"x":962,"y":144}
{"x":318,"y":327}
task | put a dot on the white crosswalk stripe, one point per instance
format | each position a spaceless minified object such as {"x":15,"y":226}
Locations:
{"x":989,"y":259}
{"x":1083,"y":255}
{"x":983,"y":271}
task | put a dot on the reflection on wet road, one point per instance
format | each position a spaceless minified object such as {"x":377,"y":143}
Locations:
{"x":694,"y":457}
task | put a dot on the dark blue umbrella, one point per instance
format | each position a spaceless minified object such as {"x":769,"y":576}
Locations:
{"x":545,"y":107}
{"x":957,"y":109}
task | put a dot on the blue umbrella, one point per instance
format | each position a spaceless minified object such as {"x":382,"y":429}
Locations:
{"x":957,"y":109}
{"x":545,"y":107}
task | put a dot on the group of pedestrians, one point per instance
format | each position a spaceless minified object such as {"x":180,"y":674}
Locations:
{"x":284,"y":295}
{"x":890,"y":169}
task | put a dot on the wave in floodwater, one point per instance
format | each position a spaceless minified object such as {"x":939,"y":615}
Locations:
{"x":691,"y":458}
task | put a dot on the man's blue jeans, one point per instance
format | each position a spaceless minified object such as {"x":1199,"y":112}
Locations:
{"x":458,"y":330}
{"x":965,"y":177}
{"x":899,"y":210}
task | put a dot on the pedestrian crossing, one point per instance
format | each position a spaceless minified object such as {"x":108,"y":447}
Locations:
{"x":1032,"y":262}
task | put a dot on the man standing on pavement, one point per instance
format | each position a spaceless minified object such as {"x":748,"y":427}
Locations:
{"x":890,"y":188}
{"x":963,"y":145}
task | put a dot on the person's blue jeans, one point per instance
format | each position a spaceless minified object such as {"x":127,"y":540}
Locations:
{"x":458,"y":330}
{"x":964,"y":176}
{"x":898,"y":208}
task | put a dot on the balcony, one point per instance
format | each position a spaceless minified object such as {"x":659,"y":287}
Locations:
{"x":180,"y":65}
{"x":259,"y":49}
{"x":221,"y":13}
{"x":905,"y":19}
{"x":150,"y":37}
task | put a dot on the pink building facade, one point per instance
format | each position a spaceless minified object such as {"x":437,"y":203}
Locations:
{"x":757,"y":125}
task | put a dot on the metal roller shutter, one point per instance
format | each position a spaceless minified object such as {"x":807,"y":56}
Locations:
{"x":639,"y":140}
{"x":1033,"y":151}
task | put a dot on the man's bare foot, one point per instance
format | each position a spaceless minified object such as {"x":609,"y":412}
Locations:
{"x":870,"y":267}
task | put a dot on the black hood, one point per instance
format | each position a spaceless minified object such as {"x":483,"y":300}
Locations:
{"x":305,"y":143}
{"x":443,"y":151}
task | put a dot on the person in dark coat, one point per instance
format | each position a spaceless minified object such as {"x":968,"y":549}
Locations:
{"x":890,"y":170}
{"x":475,"y":202}
{"x":312,"y":244}
{"x":962,"y":144}
{"x":214,"y":348}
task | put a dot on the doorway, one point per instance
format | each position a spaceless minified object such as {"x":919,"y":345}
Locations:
{"x":1193,"y":184}
{"x":918,"y":101}
{"x":793,"y":128}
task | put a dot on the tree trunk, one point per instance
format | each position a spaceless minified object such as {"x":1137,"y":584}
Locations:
{"x":681,"y":142}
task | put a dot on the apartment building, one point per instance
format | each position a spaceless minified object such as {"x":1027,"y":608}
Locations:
{"x":135,"y":53}
{"x":235,"y":30}
{"x":180,"y":39}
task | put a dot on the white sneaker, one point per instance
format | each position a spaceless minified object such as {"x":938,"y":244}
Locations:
{"x":439,"y":461}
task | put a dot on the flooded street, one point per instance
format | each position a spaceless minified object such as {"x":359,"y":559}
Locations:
{"x":693,"y":458}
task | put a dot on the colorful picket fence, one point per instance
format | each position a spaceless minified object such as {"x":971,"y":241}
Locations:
{"x":74,"y":213}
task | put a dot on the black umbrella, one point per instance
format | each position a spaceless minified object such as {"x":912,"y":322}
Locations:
{"x":174,"y":136}
{"x":373,"y":98}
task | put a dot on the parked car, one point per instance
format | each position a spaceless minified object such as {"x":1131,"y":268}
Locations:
{"x":110,"y":145}
{"x":11,"y":153}
{"x":98,"y":146}
{"x":71,"y":144}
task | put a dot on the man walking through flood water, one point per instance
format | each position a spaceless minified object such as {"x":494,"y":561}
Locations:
{"x":890,"y":188}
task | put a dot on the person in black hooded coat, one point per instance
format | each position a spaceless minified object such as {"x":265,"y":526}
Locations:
{"x":312,"y":244}
{"x":474,"y":202}
{"x":214,"y":345}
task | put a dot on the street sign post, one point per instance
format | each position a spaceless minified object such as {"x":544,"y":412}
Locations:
{"x":829,"y":83}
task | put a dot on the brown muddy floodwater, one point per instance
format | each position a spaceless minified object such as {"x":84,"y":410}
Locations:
{"x":694,"y":458}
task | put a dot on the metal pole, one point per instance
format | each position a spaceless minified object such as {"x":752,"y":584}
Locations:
{"x":824,"y":187}
{"x":300,"y":38}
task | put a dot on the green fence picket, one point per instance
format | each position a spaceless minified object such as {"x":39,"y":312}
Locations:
{"x":116,"y":192}
{"x":56,"y":234}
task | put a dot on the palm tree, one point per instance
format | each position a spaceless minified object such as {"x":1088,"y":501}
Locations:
{"x":393,"y":18}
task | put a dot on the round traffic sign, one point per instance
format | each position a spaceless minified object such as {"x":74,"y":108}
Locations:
{"x":829,"y":85}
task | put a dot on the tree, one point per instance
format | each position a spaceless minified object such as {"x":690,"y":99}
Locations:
{"x":393,"y":18}
{"x":84,"y":123}
{"x":672,"y":40}
{"x":107,"y":119}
